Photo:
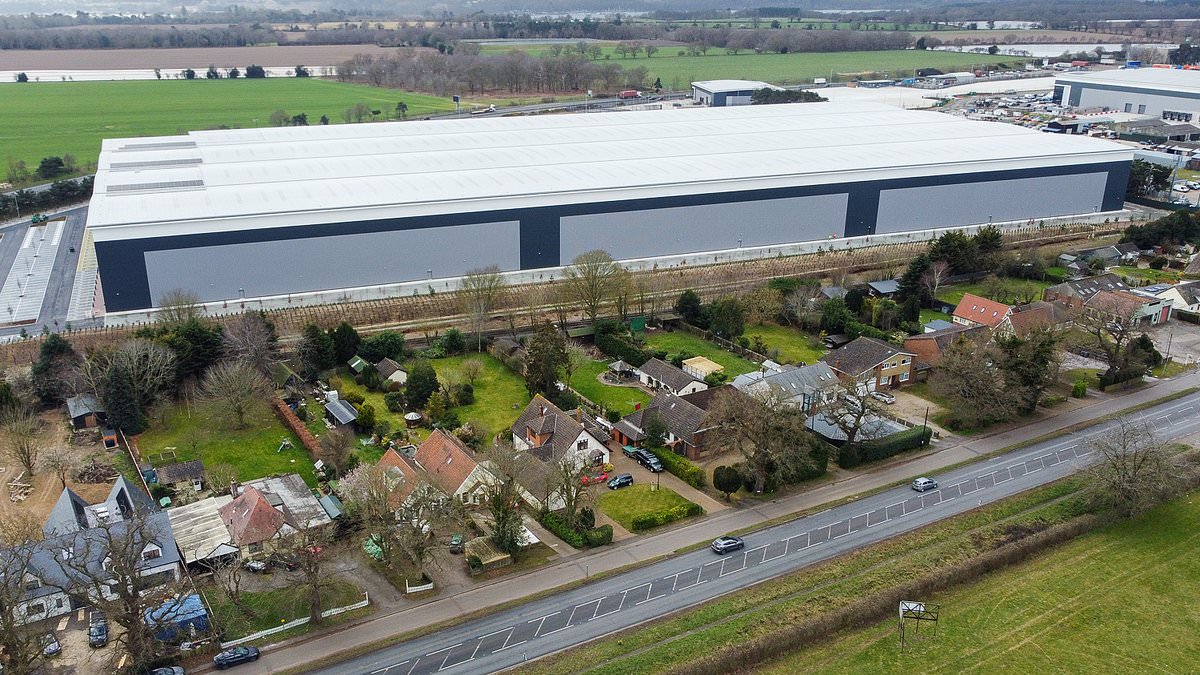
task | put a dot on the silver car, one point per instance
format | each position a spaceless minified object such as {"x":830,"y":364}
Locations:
{"x":924,"y":484}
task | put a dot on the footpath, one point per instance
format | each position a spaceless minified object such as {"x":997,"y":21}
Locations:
{"x":392,"y":621}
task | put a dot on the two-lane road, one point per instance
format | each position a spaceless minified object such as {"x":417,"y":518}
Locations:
{"x":572,"y":617}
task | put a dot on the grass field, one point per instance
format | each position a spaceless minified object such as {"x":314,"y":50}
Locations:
{"x":628,"y":503}
{"x":274,"y":606}
{"x":678,"y":341}
{"x":1005,"y":290}
{"x":677,"y":72}
{"x":793,"y":345}
{"x":499,"y":394}
{"x":193,"y":433}
{"x":1122,"y":599}
{"x":57,"y":118}
{"x":621,"y":399}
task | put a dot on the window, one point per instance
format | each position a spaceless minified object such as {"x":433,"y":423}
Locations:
{"x":1128,"y":107}
{"x":1173,"y":116}
{"x":904,"y":376}
{"x":35,"y":608}
{"x":904,"y":362}
{"x":152,"y":553}
{"x":1142,"y":109}
{"x":33,"y":583}
{"x":256,"y":547}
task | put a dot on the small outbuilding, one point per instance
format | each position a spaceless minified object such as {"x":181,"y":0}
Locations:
{"x":182,"y":475}
{"x":719,"y":93}
{"x":700,"y":367}
{"x":391,"y":371}
{"x":86,"y":412}
{"x":358,"y":364}
{"x":340,"y":412}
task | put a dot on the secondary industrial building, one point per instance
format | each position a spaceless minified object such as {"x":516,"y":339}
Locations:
{"x":719,"y":93}
{"x":1169,"y":94}
{"x":282,"y":212}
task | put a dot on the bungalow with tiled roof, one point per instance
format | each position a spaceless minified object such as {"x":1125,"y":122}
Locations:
{"x":973,"y":310}
{"x":929,"y":347}
{"x":872,"y":364}
{"x":658,"y":374}
{"x":255,"y":525}
{"x":1036,"y":316}
{"x":683,"y":416}
{"x":450,"y":467}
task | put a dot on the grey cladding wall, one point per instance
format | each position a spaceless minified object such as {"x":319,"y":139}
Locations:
{"x":917,"y":208}
{"x":710,"y":227}
{"x":255,"y":269}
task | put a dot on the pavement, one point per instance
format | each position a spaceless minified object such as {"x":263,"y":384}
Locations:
{"x":394,"y":621}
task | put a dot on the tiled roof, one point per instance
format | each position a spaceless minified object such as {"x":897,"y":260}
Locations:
{"x":67,"y":515}
{"x":860,"y":355}
{"x":666,"y":373}
{"x":387,"y":367}
{"x":1037,"y":316}
{"x":885,"y":287}
{"x":981,"y":310}
{"x":396,"y":463}
{"x":181,"y":471}
{"x":795,"y":383}
{"x":251,"y":519}
{"x":682,"y":418}
{"x":543,"y":418}
{"x":1086,"y":288}
{"x":83,"y":404}
{"x":446,"y":461}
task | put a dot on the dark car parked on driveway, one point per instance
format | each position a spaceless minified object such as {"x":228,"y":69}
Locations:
{"x":234,"y":656}
{"x":648,"y":460}
{"x":620,"y":480}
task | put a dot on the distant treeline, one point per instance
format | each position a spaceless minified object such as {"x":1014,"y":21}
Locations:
{"x":61,"y":193}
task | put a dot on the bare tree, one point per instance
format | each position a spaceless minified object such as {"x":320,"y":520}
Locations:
{"x":577,"y":358}
{"x":62,"y":461}
{"x":336,"y":445}
{"x":568,"y":486}
{"x":251,"y":339}
{"x":853,"y":414}
{"x":19,"y":641}
{"x":805,"y":305}
{"x":591,"y":280}
{"x":312,"y":546}
{"x":179,"y":306}
{"x":934,"y":277}
{"x":969,"y":377}
{"x":228,"y":577}
{"x":1134,"y":469}
{"x":766,"y":430}
{"x":150,"y":368}
{"x":471,"y":370}
{"x":220,"y":477}
{"x":480,"y":289}
{"x":1110,"y":322}
{"x":20,"y":428}
{"x":236,"y":388}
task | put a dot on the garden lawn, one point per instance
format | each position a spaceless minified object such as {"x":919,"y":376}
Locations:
{"x":679,"y":341}
{"x":792,"y":343}
{"x":953,"y":294}
{"x":628,"y":503}
{"x":274,"y":606}
{"x":500,"y":395}
{"x":621,"y":399}
{"x":1119,"y":599}
{"x":193,"y":432}
{"x":928,"y":315}
{"x":1151,"y":275}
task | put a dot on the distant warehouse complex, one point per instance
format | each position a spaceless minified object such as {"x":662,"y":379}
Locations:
{"x":1170,"y":94}
{"x":269,"y":213}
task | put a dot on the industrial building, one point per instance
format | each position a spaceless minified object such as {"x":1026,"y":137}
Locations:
{"x":720,"y":93}
{"x":1169,"y":94}
{"x":289,"y":211}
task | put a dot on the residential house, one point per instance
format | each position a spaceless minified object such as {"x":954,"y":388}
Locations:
{"x":872,"y":427}
{"x":258,"y":523}
{"x":700,"y":367}
{"x":1130,"y":306}
{"x":928,"y":348}
{"x":683,"y":416}
{"x":886,"y":288}
{"x":973,"y":310}
{"x":807,"y":388}
{"x":937,"y":324}
{"x":450,"y":467}
{"x":340,"y":413}
{"x":1193,"y":267}
{"x":872,"y":364}
{"x":72,"y":514}
{"x":1185,"y":296}
{"x":182,"y":475}
{"x":1075,"y":293}
{"x":391,"y":371}
{"x":1081,"y":262}
{"x":658,"y":374}
{"x":293,"y":493}
{"x":85,"y":412}
{"x":551,"y":435}
{"x":1037,"y":315}
{"x":405,"y":473}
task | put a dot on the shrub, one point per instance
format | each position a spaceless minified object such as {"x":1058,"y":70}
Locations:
{"x":556,"y":525}
{"x":394,"y":400}
{"x":618,"y":344}
{"x":464,"y":394}
{"x":727,"y":480}
{"x":680,"y":466}
{"x":646,"y":521}
{"x":883,"y":448}
{"x":612,"y":416}
{"x":587,"y":518}
{"x":354,"y":398}
{"x":1079,"y":388}
{"x":600,"y":536}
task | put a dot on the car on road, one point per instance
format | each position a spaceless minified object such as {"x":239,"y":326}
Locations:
{"x":883,"y":396}
{"x":235,"y":656}
{"x":724,"y":545}
{"x":39,"y":218}
{"x":620,"y":480}
{"x":924,"y":483}
{"x":456,"y":543}
{"x":648,"y":460}
{"x":256,"y":566}
{"x":50,"y":645}
{"x":1181,"y":201}
{"x":169,"y":670}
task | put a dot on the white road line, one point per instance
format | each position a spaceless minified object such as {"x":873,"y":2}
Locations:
{"x":502,"y":630}
{"x":540,"y":622}
{"x":514,"y":644}
{"x":384,"y":670}
{"x":442,"y":650}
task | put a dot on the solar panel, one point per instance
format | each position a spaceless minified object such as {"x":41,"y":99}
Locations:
{"x":181,"y":161}
{"x":171,"y":145}
{"x":164,"y":185}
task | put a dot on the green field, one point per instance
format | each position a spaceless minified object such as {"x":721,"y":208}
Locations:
{"x":620,"y":399}
{"x":56,"y":118}
{"x":273,"y":607}
{"x":792,"y":344}
{"x":679,"y":341}
{"x":677,"y":72}
{"x":1008,"y":291}
{"x":641,"y":498}
{"x":1122,"y":599}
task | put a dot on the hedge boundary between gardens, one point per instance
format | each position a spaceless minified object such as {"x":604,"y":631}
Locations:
{"x":680,"y":466}
{"x":293,"y":423}
{"x":647,"y":521}
{"x":597,"y":536}
{"x":889,"y":446}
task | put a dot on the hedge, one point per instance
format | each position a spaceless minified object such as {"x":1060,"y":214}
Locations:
{"x":646,"y":521}
{"x":680,"y":466}
{"x":555,"y":524}
{"x":599,"y":536}
{"x":871,"y":451}
{"x":621,"y":347}
{"x":293,"y":423}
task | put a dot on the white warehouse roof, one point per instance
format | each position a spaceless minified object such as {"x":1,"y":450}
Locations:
{"x":1173,"y":80}
{"x":713,"y":86}
{"x":229,"y":180}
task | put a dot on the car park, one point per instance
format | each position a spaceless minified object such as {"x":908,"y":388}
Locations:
{"x":456,"y":543}
{"x":648,"y":460}
{"x":924,"y":483}
{"x":50,"y":645}
{"x":620,"y":480}
{"x":883,"y":396}
{"x":727,"y":544}
{"x":235,"y":656}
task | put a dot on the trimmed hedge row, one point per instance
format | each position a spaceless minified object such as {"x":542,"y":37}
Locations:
{"x":646,"y":521}
{"x":680,"y":466}
{"x":597,"y":536}
{"x":872,"y":451}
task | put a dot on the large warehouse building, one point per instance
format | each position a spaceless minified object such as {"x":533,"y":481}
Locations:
{"x":1167,"y":93}
{"x":280,"y":212}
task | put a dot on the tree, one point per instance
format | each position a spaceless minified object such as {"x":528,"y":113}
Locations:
{"x":188,"y":74}
{"x":421,"y":385}
{"x":453,"y":342}
{"x":726,"y":318}
{"x":763,"y":305}
{"x":20,"y":429}
{"x":61,"y":461}
{"x":577,"y":358}
{"x":402,"y":110}
{"x":50,"y":167}
{"x":228,"y":576}
{"x":1134,"y":470}
{"x":220,"y":477}
{"x":772,"y":96}
{"x":479,"y":290}
{"x":177,"y":307}
{"x":301,"y":71}
{"x":471,"y":370}
{"x":251,"y":339}
{"x":237,"y":389}
{"x":503,"y":501}
{"x":345,"y":342}
{"x":19,"y":640}
{"x":384,"y":344}
{"x":568,"y":486}
{"x":300,"y":120}
{"x":234,"y":73}
{"x":324,"y":120}
{"x":968,"y":375}
{"x":53,"y":375}
{"x":591,"y":279}
{"x":254,"y":72}
{"x":656,"y":431}
{"x":545,"y":357}
{"x":769,"y":433}
{"x":212,"y":73}
{"x":1111,"y":323}
{"x":311,"y":546}
{"x":690,"y":308}
{"x":727,"y":480}
{"x":835,"y":315}
{"x":934,"y":277}
{"x":911,"y":285}
{"x":1030,"y":365}
{"x":280,"y":118}
{"x":316,"y":351}
{"x":336,"y":446}
{"x":22,"y":77}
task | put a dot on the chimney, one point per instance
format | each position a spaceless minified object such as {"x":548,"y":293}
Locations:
{"x":233,"y":488}
{"x":543,"y":411}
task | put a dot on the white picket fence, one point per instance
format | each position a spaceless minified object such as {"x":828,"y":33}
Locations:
{"x":297,"y":622}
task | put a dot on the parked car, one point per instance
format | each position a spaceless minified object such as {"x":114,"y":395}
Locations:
{"x":51,"y":645}
{"x":724,"y":545}
{"x":1194,"y":184}
{"x":456,"y":543}
{"x":630,"y":451}
{"x":1181,"y":187}
{"x":922,"y":484}
{"x":286,"y":561}
{"x":592,"y":479}
{"x":98,"y":632}
{"x":169,"y":670}
{"x":883,"y":396}
{"x":648,"y":460}
{"x":620,"y":480}
{"x":256,"y":566}
{"x":234,"y":656}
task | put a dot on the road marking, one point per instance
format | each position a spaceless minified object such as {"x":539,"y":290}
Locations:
{"x":442,"y":650}
{"x":515,"y":644}
{"x":542,"y":621}
{"x":502,"y":630}
{"x":395,"y":665}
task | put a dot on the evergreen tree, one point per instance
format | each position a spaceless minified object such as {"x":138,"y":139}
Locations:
{"x":120,"y":399}
{"x":546,"y":355}
{"x":689,"y":307}
{"x":726,"y":318}
{"x":345,"y":342}
{"x":422,"y":384}
{"x":316,"y":351}
{"x":55,"y":362}
{"x":910,"y":281}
